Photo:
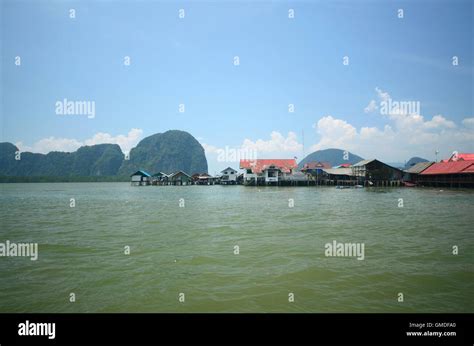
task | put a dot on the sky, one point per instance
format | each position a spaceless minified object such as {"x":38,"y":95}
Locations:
{"x":279,"y":79}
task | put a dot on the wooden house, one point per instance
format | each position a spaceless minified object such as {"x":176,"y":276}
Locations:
{"x":202,"y":179}
{"x":376,"y":172}
{"x":314,"y":169}
{"x":339,"y":174}
{"x":159,"y":178}
{"x":140,"y":178}
{"x":411,"y":175}
{"x":180,"y":178}
{"x":451,"y":174}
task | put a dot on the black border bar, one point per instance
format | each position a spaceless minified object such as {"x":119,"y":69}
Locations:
{"x":291,"y":329}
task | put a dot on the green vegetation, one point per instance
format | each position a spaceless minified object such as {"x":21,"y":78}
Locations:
{"x":334,"y":156}
{"x":96,"y":160}
{"x":70,"y":179}
{"x":167,"y":152}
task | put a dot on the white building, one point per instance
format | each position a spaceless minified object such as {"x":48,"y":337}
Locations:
{"x":267,"y":171}
{"x":229,"y":176}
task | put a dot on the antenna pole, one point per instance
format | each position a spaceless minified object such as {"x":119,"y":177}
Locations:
{"x":302,"y":135}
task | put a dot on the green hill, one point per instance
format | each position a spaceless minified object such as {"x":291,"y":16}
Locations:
{"x":95,"y":160}
{"x":334,"y":156}
{"x":413,"y":161}
{"x":166,"y":152}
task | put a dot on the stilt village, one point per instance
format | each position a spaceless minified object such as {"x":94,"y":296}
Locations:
{"x":455,"y":171}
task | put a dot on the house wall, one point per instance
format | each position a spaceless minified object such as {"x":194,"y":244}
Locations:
{"x":249,"y":176}
{"x":380,"y":171}
{"x":271,"y":179}
{"x":182,"y":179}
{"x":136,"y":178}
{"x":465,"y":180}
{"x":231,"y":176}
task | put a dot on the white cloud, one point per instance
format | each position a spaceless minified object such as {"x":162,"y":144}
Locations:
{"x":126,"y":142}
{"x":438,"y":121}
{"x":468,"y":122}
{"x":334,"y":132}
{"x":382,"y":95}
{"x":276,"y":143}
{"x":210,"y":149}
{"x":371,"y":107}
{"x":407,"y":136}
{"x":277,"y":146}
{"x":408,"y":132}
{"x":45,"y":145}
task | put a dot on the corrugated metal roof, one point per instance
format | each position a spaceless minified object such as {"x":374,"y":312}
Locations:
{"x":469,"y":169}
{"x":228,"y":169}
{"x":344,"y":165}
{"x":451,"y":167}
{"x":316,"y":164}
{"x":419,"y":167}
{"x":363,"y":163}
{"x":338,"y":171}
{"x":366,"y":162}
{"x":142,"y":173}
{"x":172,"y":175}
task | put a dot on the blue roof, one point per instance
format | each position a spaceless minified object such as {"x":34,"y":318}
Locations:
{"x":142,"y":173}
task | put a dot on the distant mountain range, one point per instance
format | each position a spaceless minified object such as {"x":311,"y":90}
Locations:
{"x":162,"y":152}
{"x":167,"y":152}
{"x":413,"y":161}
{"x":96,"y":160}
{"x":334,"y":157}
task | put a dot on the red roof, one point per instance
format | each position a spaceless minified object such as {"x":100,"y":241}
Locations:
{"x":257,"y":166}
{"x":451,"y":167}
{"x":469,"y":169}
{"x":315,"y":165}
{"x":346,"y":165}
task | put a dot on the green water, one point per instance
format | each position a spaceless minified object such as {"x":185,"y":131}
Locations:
{"x":191,"y":249}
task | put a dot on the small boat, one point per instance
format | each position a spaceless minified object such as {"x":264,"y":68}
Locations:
{"x":408,"y":184}
{"x":342,"y":187}
{"x":358,"y":186}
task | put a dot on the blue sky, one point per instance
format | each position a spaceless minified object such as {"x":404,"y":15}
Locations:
{"x":282,"y":61}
